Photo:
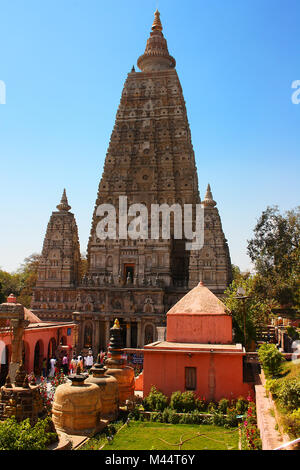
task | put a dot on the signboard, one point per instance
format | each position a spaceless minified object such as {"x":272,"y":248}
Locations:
{"x":137,"y":359}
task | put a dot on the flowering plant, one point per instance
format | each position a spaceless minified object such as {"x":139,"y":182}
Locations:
{"x":47,"y":389}
{"x":249,"y":430}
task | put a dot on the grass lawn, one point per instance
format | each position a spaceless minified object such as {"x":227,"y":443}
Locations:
{"x":159,"y":436}
{"x":291,"y":369}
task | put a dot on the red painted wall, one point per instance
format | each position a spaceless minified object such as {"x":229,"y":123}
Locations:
{"x":190,"y":328}
{"x":42,"y":335}
{"x":167,"y":372}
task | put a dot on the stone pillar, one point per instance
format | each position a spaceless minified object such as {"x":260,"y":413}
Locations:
{"x":161,"y":333}
{"x":18,"y":327}
{"x":107,"y":327}
{"x":97,"y":338}
{"x":139,"y":334}
{"x":128,"y":334}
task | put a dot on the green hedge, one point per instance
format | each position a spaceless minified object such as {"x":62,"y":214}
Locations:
{"x":23,"y":436}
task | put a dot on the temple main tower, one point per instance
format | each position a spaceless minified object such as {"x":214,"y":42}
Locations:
{"x":150,"y":160}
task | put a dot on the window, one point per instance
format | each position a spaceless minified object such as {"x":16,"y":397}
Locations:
{"x":190,"y":378}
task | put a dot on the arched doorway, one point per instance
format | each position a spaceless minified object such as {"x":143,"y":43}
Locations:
{"x":51,"y":348}
{"x":88,"y":335}
{"x":149,"y":334}
{"x":38,"y":357}
{"x":63,"y":341}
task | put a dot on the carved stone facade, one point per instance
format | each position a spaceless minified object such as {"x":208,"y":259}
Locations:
{"x":150,"y":160}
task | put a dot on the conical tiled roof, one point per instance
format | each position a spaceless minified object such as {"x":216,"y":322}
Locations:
{"x":199,"y":301}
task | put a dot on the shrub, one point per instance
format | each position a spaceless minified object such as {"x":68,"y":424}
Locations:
{"x":155,"y":401}
{"x":218,"y":419}
{"x":176,"y":402}
{"x":291,"y":423}
{"x":289,"y":393}
{"x":188,"y":401}
{"x":156,"y":417}
{"x":166,"y":415}
{"x":223,"y":405}
{"x":135,"y":414}
{"x":24,"y":436}
{"x":231,"y":420}
{"x":241,"y":406}
{"x":200,"y":404}
{"x":271,"y":359}
{"x":212,"y":407}
{"x":174,"y":418}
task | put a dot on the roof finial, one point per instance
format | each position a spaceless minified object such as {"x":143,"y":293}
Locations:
{"x":157,"y":26}
{"x":156,"y":55}
{"x":208,"y":200}
{"x":64,"y":205}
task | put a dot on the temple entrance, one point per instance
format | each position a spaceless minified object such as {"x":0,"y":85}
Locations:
{"x":133,"y":334}
{"x":88,"y":336}
{"x":129,"y":272}
{"x":149,"y":334}
{"x":123,"y":330}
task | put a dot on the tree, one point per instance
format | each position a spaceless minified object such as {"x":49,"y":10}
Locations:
{"x":257,"y":309}
{"x":275,"y":252}
{"x":271,"y":359}
{"x":28,"y":274}
{"x":21,"y":282}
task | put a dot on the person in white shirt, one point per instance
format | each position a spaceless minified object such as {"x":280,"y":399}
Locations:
{"x":52,"y":367}
{"x":89,"y":360}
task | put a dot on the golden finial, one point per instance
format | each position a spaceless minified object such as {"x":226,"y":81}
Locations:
{"x":157,"y":26}
{"x":116,"y":324}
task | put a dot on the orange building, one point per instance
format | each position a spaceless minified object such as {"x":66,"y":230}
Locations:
{"x":198,"y":354}
{"x":39,"y":340}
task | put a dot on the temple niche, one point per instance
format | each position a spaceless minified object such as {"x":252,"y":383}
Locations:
{"x":150,"y":160}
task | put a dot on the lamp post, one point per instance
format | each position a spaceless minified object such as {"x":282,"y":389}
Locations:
{"x":241,"y":295}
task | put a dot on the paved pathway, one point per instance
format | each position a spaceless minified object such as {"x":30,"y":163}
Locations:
{"x":271,"y":438}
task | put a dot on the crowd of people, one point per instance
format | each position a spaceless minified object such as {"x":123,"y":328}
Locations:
{"x":69,"y":365}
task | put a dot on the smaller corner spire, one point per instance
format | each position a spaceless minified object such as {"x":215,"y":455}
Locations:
{"x":64,"y":205}
{"x":208,"y":200}
{"x":157,"y":26}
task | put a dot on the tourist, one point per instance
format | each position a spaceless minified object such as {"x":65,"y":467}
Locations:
{"x":80,"y":361}
{"x":52,"y":367}
{"x":102,"y":355}
{"x":44,"y":367}
{"x":65,"y":364}
{"x":89,"y":360}
{"x":73,"y":364}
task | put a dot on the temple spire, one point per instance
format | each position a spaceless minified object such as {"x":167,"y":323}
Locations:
{"x":64,"y":205}
{"x":157,"y":26}
{"x":208,"y":200}
{"x":156,"y":55}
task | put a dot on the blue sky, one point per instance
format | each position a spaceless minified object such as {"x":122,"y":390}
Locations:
{"x":64,"y":64}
